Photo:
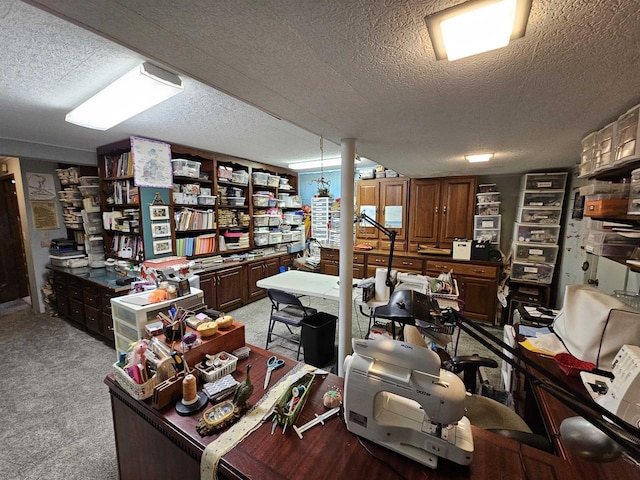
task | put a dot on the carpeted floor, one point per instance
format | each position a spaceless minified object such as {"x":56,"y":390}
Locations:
{"x":56,"y":417}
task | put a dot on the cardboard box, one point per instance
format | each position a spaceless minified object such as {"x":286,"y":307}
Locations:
{"x":606,"y":207}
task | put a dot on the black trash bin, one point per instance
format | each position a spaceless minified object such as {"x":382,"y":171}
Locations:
{"x":318,"y":338}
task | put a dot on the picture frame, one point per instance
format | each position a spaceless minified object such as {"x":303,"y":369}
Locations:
{"x":162,"y":246}
{"x":161,"y":229}
{"x":159,"y":212}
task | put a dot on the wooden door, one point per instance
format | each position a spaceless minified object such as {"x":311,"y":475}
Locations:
{"x":479,"y":298}
{"x":367,"y":194}
{"x":394,"y":193}
{"x":255,"y":272}
{"x":208,"y":290}
{"x":458,"y":199}
{"x":14,"y":282}
{"x":424,"y":212}
{"x":230,"y":288}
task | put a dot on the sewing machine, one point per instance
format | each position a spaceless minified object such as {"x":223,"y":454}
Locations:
{"x":396,"y":395}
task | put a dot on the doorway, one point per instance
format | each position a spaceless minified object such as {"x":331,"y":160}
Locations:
{"x":14,"y":281}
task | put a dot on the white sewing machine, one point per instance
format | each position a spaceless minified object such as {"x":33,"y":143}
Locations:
{"x":396,"y":395}
{"x":621,"y":396}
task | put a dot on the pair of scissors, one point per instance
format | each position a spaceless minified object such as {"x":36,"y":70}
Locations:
{"x":272,"y":364}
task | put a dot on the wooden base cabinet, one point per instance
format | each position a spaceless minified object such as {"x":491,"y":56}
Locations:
{"x":225,"y":289}
{"x":330,"y":263}
{"x":257,"y":271}
{"x":478,"y":285}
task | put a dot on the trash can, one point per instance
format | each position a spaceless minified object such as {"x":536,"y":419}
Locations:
{"x":318,"y":338}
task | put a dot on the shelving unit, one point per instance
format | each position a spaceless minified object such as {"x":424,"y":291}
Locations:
{"x":320,"y":207}
{"x":487,"y":222}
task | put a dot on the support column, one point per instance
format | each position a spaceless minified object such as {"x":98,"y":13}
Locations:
{"x":345,"y":315}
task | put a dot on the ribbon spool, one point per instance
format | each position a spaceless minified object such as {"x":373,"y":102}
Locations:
{"x":189,"y":390}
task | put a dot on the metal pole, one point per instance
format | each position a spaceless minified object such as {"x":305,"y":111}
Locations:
{"x":345,"y":312}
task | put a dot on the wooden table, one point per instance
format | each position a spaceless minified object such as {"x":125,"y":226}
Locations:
{"x":164,"y":445}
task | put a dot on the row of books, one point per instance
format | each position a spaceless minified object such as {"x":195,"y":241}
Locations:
{"x":190,"y":219}
{"x":127,"y":246}
{"x":196,"y":245}
{"x":118,"y":166}
{"x":125,"y":193}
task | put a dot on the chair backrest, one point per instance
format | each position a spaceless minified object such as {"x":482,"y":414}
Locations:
{"x":280,"y":297}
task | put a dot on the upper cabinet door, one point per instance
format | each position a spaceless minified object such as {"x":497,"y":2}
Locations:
{"x":457,"y":208}
{"x":367,"y":194}
{"x":394,"y":193}
{"x":424,"y":216}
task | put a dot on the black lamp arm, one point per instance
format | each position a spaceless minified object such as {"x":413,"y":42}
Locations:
{"x":392,"y":237}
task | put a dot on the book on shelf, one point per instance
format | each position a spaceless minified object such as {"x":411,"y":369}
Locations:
{"x":118,"y":165}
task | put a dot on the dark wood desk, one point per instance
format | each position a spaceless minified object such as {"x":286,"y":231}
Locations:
{"x":552,"y":412}
{"x":164,"y":445}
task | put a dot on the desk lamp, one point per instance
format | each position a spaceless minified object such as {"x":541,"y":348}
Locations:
{"x":363,"y":217}
{"x":585,"y":436}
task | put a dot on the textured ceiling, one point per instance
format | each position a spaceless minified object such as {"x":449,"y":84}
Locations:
{"x":338,"y":68}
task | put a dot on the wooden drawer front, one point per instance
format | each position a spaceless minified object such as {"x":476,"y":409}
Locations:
{"x":107,"y":326}
{"x":398,"y":247}
{"x":59,"y":279}
{"x":106,"y":302}
{"x":465,"y":269}
{"x":358,"y":258}
{"x":75,"y":289}
{"x":377,"y":260}
{"x":92,"y":317}
{"x":92,"y":298}
{"x":372,"y":243}
{"x":62,"y":301}
{"x":328,"y":254}
{"x":76,"y":312}
{"x":404,"y":263}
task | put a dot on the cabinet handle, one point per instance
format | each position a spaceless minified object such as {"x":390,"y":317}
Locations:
{"x":407,"y":263}
{"x":444,"y":209}
{"x":109,"y":327}
{"x":437,"y":209}
{"x":478,"y":271}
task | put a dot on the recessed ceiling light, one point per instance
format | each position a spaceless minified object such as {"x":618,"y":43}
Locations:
{"x":138,"y":90}
{"x":477,"y":26}
{"x":481,"y":157}
{"x":327,"y":162}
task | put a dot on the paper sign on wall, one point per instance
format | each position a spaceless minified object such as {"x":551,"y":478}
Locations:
{"x":393,"y":216}
{"x":369,"y":211}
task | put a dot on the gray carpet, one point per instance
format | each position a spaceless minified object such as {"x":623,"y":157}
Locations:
{"x":56,"y":417}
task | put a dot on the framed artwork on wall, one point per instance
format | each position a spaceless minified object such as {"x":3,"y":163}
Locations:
{"x":159,"y":212}
{"x":162,"y":246}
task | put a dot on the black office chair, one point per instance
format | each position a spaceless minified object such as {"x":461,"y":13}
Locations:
{"x":287,"y":308}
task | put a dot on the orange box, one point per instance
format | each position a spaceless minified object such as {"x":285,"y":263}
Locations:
{"x":606,"y":207}
{"x":223,"y":341}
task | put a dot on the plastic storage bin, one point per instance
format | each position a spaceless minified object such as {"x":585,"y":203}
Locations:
{"x":273,"y":180}
{"x":606,"y":204}
{"x":546,"y":216}
{"x":293,"y":219}
{"x":261,"y":220}
{"x":318,"y":339}
{"x":627,"y":147}
{"x":260,"y":200}
{"x":487,"y":221}
{"x":544,"y":181}
{"x":532,"y":272}
{"x":633,"y":207}
{"x":487,"y":187}
{"x":528,"y":252}
{"x":275,"y":237}
{"x":236,"y":201}
{"x":610,"y":249}
{"x":487,"y":235}
{"x":491,"y":197}
{"x":489,"y":209}
{"x":588,"y":155}
{"x":260,"y":178}
{"x":536,"y":233}
{"x":185,"y":168}
{"x":206,"y":200}
{"x":605,"y":147}
{"x":542,"y":199}
{"x":225,"y":173}
{"x":274,"y":220}
{"x":240,"y":176}
{"x":261,"y":238}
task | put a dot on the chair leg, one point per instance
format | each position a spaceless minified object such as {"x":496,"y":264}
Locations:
{"x":269,"y":331}
{"x":299,"y":345}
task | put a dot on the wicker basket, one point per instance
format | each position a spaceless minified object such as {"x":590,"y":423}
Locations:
{"x":140,"y":391}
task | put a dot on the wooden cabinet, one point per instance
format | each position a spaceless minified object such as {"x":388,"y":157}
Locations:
{"x":382,"y":193}
{"x":225,"y":289}
{"x":330,"y":263}
{"x":92,"y":312}
{"x":441,"y":210}
{"x":478,"y":285}
{"x":257,"y":271}
{"x":400,"y":263}
{"x":76,"y":300}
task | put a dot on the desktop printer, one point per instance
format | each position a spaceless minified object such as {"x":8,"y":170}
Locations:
{"x":397,"y":395}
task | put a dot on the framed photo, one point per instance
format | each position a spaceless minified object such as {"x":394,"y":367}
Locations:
{"x":159,"y":212}
{"x":162,"y":246}
{"x":161,"y":229}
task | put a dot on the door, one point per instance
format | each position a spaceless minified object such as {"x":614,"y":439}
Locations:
{"x":14,"y":282}
{"x":393,"y":193}
{"x":230,"y":288}
{"x":424,"y":217}
{"x":367,"y":195}
{"x":457,"y":209}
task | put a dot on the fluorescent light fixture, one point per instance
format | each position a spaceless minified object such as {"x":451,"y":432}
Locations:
{"x":477,"y":26}
{"x":142,"y":88}
{"x":481,"y":157}
{"x":329,"y":162}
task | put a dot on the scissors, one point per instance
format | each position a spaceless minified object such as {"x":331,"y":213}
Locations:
{"x":272,"y":364}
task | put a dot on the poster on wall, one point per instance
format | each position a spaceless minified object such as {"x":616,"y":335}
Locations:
{"x":151,"y":163}
{"x":41,"y":186}
{"x":45,"y":215}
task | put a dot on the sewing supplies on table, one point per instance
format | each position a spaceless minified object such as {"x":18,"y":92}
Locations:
{"x":291,"y":403}
{"x":315,"y":421}
{"x":273,"y":363}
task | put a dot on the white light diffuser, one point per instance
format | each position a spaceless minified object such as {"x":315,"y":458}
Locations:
{"x":142,"y":88}
{"x":481,"y":157}
{"x":477,"y":26}
{"x":330,"y":162}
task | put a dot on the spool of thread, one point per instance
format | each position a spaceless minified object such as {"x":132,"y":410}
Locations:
{"x":189,"y":393}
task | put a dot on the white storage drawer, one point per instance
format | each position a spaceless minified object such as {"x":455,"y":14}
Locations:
{"x":545,"y":216}
{"x":627,"y":145}
{"x":487,"y":235}
{"x":532,"y":272}
{"x":544,"y":181}
{"x":542,"y":199}
{"x":529,"y":252}
{"x":525,"y":232}
{"x":487,"y":221}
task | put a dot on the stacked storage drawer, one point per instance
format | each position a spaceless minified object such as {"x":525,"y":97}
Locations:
{"x":320,"y":219}
{"x":487,"y":222}
{"x":537,"y":230}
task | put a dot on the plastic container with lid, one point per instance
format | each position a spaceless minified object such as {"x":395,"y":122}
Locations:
{"x":260,"y":200}
{"x":260,"y":178}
